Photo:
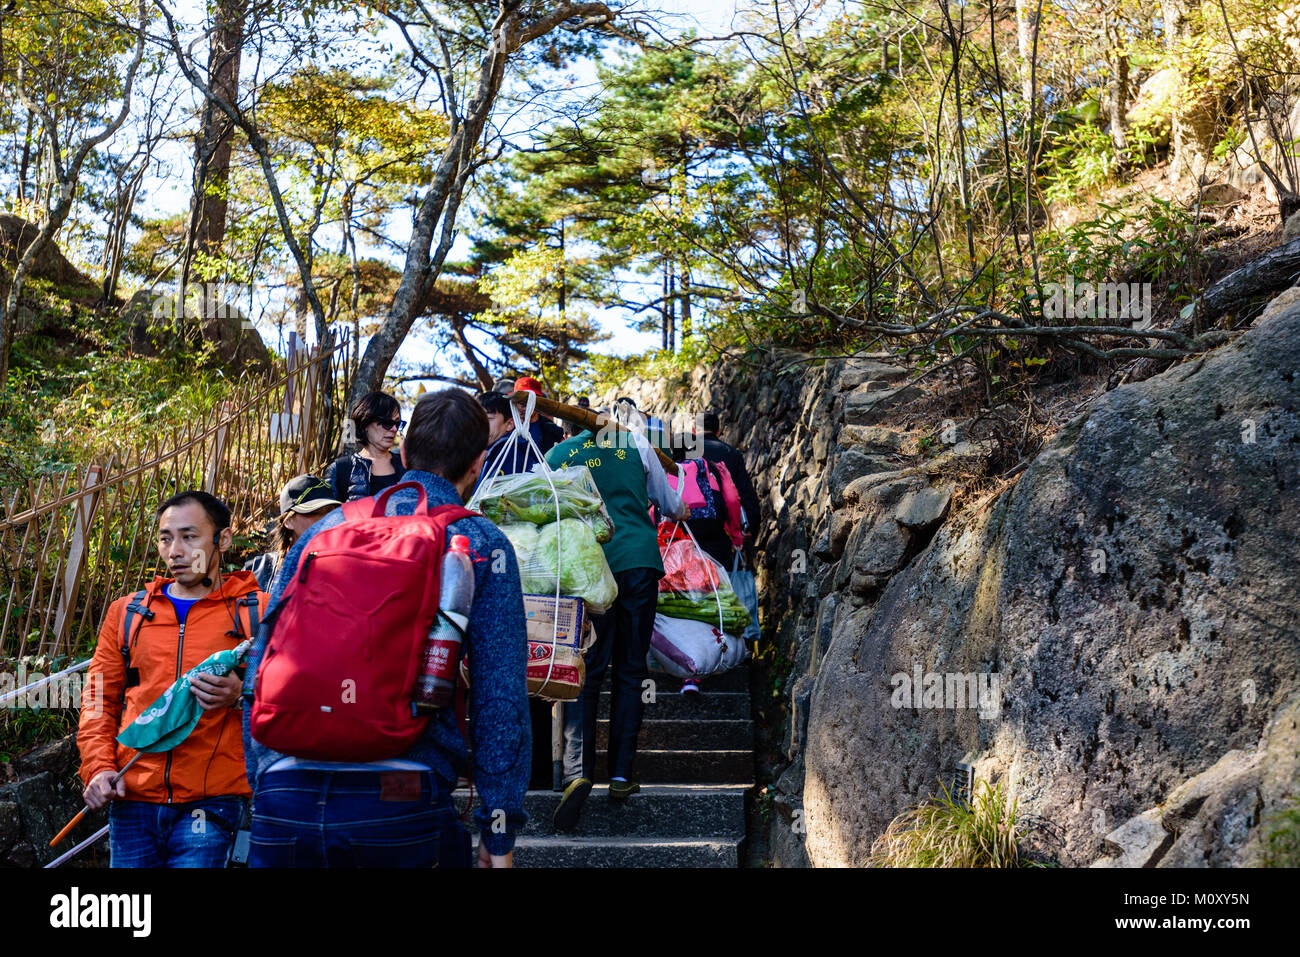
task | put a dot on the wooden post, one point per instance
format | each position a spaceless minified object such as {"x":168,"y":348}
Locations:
{"x":290,"y":363}
{"x":72,"y":569}
{"x":306,"y":422}
{"x":218,"y":448}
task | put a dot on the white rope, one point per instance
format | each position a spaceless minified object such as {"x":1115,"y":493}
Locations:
{"x":708,"y":563}
{"x":542,"y":468}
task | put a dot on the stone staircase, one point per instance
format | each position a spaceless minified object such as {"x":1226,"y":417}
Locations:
{"x":694,"y":762}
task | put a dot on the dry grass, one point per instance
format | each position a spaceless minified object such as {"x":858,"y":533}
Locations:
{"x":950,"y":832}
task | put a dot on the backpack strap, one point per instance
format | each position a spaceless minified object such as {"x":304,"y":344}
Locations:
{"x":250,"y":603}
{"x":719,"y":500}
{"x":341,"y":491}
{"x":137,"y":607}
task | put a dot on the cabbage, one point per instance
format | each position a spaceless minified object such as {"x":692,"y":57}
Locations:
{"x":527,"y":497}
{"x":585,"y":573}
{"x":524,"y":539}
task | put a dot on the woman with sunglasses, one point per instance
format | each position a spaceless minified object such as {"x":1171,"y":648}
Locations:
{"x":375,"y":466}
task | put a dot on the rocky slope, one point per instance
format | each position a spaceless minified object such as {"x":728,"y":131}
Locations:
{"x":1131,"y":599}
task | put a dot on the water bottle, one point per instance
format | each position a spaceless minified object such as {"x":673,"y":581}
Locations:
{"x":441,"y":662}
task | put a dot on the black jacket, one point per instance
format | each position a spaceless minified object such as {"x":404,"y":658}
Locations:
{"x":349,"y":475}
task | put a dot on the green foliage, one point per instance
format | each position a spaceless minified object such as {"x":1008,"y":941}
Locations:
{"x":1282,"y":839}
{"x":949,"y":832}
{"x":1079,"y":161}
{"x":75,"y":394}
{"x":1151,"y":239}
{"x":23,"y":728}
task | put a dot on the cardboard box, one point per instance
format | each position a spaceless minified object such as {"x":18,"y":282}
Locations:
{"x":561,"y":680}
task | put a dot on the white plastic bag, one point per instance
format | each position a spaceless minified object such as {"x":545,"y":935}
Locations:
{"x":685,"y":648}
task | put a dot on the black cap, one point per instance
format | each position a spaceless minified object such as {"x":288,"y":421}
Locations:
{"x":305,"y":494}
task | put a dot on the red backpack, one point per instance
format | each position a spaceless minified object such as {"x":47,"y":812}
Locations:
{"x":731,"y":496}
{"x":337,"y":679}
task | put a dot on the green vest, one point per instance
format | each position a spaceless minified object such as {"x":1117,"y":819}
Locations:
{"x":620,"y":477}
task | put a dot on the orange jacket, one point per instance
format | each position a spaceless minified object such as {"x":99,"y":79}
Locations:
{"x":210,"y":762}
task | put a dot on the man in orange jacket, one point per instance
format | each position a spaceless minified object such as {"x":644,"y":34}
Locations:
{"x":178,"y":808}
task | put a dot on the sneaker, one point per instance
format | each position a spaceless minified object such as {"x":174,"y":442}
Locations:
{"x":690,"y":686}
{"x":622,"y":790}
{"x":566,"y":813}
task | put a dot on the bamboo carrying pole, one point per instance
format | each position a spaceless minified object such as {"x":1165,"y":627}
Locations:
{"x":86,"y":808}
{"x":591,"y":420}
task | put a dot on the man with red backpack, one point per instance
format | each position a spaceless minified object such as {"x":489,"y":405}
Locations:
{"x":359,"y":780}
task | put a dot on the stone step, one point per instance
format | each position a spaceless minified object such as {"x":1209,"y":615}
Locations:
{"x":575,"y":851}
{"x":737,"y":679}
{"x":687,"y":767}
{"x":683,"y":810}
{"x":691,"y":734}
{"x":674,"y":706}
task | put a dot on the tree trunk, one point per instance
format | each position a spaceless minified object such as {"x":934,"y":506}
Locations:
{"x":212,"y":162}
{"x":442,"y":199}
{"x":687,"y":330}
{"x":480,"y":371}
{"x":1026,"y":26}
{"x":25,"y":163}
{"x":1119,"y":104}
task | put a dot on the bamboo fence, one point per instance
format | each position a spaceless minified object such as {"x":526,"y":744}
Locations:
{"x":72,"y":542}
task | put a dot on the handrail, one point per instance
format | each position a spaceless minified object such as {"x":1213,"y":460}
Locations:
{"x":14,"y":695}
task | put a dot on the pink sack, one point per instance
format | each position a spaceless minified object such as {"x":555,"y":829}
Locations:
{"x":692,"y":497}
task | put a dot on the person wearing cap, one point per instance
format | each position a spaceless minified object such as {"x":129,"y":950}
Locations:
{"x":544,"y":432}
{"x":507,"y":453}
{"x":304,"y":501}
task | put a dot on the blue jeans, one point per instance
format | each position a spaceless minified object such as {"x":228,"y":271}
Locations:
{"x":316,"y":818}
{"x":197,"y":834}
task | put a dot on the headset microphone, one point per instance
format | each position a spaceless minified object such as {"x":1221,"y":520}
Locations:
{"x":216,"y":540}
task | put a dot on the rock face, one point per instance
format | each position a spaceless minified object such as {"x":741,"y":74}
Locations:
{"x":39,"y":793}
{"x":1132,"y":600}
{"x":17,"y":234}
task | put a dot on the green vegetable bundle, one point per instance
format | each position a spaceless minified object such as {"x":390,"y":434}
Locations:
{"x":527,"y":497}
{"x":703,"y":607}
{"x":569,"y":549}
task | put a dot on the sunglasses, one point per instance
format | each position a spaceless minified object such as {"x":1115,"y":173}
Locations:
{"x":391,"y":423}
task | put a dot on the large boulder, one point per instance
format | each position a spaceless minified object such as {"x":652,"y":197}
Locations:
{"x":236,"y":343}
{"x":16,"y":235}
{"x":1132,"y":603}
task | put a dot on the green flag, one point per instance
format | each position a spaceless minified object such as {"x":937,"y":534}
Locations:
{"x":169,"y":720}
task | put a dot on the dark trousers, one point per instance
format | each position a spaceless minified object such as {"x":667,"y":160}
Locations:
{"x":622,"y":641}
